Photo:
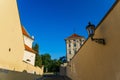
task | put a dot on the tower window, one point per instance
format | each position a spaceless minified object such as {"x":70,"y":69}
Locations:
{"x":74,"y":40}
{"x":80,"y":44}
{"x":80,"y":40}
{"x":74,"y":44}
{"x":75,"y":51}
{"x":83,"y":40}
{"x":69,"y":41}
{"x":69,"y":52}
{"x":69,"y":45}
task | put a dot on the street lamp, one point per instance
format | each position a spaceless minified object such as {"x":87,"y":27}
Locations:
{"x":91,"y":31}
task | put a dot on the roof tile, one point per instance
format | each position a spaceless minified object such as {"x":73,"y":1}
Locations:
{"x":25,"y":32}
{"x":29,"y":49}
{"x":74,"y":36}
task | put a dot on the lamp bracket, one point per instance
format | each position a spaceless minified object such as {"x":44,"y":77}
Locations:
{"x":98,"y":40}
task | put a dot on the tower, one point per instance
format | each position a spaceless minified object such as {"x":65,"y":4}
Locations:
{"x":73,"y":43}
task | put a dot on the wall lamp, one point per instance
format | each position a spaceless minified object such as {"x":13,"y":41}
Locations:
{"x":91,"y":31}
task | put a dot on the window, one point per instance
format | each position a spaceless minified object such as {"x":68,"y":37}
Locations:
{"x":69,"y":45}
{"x":75,"y":51}
{"x":69,"y":52}
{"x":28,"y":60}
{"x":80,"y":40}
{"x":69,"y":41}
{"x":80,"y":44}
{"x":83,"y":40}
{"x":74,"y":44}
{"x":74,"y":40}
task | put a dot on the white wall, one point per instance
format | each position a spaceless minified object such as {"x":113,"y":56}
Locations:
{"x":30,"y":56}
{"x":72,"y":48}
{"x":28,"y":41}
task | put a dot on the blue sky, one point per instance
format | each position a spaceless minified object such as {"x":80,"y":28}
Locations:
{"x":51,"y":21}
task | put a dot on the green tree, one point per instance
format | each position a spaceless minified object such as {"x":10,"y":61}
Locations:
{"x":38,"y":60}
{"x":46,"y":61}
{"x":52,"y":65}
{"x":55,"y":65}
{"x":62,"y":59}
{"x":36,"y":48}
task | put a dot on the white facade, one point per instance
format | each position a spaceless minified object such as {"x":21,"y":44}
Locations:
{"x":73,"y":43}
{"x":29,"y":57}
{"x":28,"y":41}
{"x":29,"y":53}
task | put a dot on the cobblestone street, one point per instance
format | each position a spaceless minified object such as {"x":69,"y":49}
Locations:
{"x":54,"y":77}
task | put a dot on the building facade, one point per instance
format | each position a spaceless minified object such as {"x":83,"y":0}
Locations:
{"x":73,"y":43}
{"x":11,"y":41}
{"x":15,"y":45}
{"x":29,"y":53}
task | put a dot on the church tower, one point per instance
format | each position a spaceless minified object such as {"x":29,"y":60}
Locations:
{"x":73,"y":43}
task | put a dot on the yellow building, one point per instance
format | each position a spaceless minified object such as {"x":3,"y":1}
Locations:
{"x":12,"y":44}
{"x":12,"y":47}
{"x":95,"y":61}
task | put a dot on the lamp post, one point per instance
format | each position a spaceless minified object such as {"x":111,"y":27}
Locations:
{"x":91,"y":31}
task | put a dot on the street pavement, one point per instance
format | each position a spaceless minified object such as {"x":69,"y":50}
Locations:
{"x":54,"y":77}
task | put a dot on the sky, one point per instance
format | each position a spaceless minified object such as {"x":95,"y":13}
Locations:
{"x":51,"y":21}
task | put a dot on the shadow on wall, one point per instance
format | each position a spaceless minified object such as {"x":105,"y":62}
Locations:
{"x":67,"y":78}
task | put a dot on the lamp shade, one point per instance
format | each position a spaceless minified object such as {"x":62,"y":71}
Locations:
{"x":91,"y":29}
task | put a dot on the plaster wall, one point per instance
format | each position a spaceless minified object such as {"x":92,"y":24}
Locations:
{"x":30,"y":56}
{"x":28,"y":41}
{"x":11,"y":40}
{"x":72,"y":46}
{"x":99,"y":62}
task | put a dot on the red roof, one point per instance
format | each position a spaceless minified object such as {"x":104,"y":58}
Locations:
{"x":25,"y":32}
{"x":29,"y":49}
{"x":74,"y":36}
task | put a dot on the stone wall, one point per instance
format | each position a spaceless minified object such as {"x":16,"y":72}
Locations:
{"x":14,"y":75}
{"x":63,"y":69}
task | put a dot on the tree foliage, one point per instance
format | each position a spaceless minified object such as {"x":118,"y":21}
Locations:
{"x":55,"y":65}
{"x":38,"y":60}
{"x":63,"y":59}
{"x":36,"y":48}
{"x":51,"y":65}
{"x":46,"y":61}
